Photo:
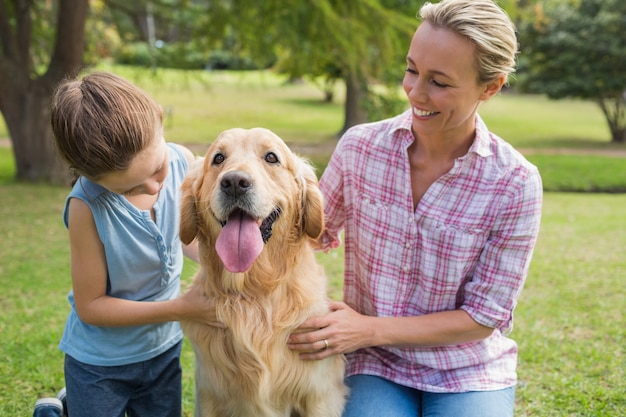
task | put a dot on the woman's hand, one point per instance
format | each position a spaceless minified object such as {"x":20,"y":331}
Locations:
{"x":343,"y":330}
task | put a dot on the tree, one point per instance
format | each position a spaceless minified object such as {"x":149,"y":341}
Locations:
{"x":577,"y":48}
{"x":24,"y":92}
{"x":361,"y":42}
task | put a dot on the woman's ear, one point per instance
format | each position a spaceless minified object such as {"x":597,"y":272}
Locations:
{"x":493,"y":87}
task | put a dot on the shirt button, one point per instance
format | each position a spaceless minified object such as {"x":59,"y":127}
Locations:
{"x":405,"y":268}
{"x":407,"y":245}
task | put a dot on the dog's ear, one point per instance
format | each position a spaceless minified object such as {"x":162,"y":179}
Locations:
{"x":188,"y":210}
{"x":313,"y":202}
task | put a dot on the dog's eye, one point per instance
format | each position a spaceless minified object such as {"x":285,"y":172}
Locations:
{"x":218,"y":159}
{"x":271,"y":158}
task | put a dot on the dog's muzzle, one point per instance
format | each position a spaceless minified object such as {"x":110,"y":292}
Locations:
{"x":236,"y":187}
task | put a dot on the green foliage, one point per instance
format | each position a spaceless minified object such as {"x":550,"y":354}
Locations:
{"x":328,"y":38}
{"x":102,"y":38}
{"x":383,"y":103}
{"x":136,"y":54}
{"x":576,"y":51}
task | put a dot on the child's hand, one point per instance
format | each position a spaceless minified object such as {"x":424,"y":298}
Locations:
{"x":196,"y":306}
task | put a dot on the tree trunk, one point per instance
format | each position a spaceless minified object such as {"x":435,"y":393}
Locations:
{"x":28,"y":122}
{"x":25,"y":101}
{"x":614,"y":110}
{"x":356,"y":91}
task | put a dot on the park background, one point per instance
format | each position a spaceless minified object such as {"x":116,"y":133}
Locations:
{"x":569,"y":321}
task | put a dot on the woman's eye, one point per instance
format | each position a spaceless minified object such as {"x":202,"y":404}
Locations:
{"x":218,"y":159}
{"x":438,"y":84}
{"x":411,"y":71}
{"x":271,"y":158}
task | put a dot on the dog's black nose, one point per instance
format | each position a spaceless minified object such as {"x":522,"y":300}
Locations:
{"x":236,"y":183}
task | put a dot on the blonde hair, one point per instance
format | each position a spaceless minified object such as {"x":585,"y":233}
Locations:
{"x":486,"y":25}
{"x":102,"y":122}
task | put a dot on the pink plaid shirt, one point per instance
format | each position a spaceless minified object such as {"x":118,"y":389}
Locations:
{"x":467,"y":245}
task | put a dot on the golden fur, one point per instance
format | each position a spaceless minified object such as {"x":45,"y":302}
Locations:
{"x":246,"y":368}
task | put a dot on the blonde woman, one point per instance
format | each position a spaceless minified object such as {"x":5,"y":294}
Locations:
{"x":440,"y":219}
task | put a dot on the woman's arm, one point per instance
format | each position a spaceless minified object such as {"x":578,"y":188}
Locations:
{"x":347,"y":331}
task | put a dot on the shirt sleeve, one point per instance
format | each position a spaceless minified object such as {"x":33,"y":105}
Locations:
{"x":491,"y":295}
{"x":332,"y":187}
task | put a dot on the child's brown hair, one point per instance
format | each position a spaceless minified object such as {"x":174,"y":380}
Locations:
{"x":101,"y":122}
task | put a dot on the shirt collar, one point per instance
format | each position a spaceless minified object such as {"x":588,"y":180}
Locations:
{"x":482,"y":140}
{"x":480,"y":146}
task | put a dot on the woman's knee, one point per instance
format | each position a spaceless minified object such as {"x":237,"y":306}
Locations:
{"x":372,"y":396}
{"x":499,"y":403}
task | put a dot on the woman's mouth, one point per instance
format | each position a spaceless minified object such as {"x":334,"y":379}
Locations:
{"x":423,"y":113}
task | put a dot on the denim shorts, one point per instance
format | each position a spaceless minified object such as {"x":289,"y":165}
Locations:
{"x":372,"y":396}
{"x":146,"y":389}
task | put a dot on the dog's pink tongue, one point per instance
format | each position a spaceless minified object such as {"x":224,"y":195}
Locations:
{"x":239,"y":243}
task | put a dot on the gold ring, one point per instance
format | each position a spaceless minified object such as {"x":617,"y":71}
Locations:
{"x":325,"y":344}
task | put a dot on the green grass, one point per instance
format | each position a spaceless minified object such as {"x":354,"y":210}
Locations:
{"x":581,"y":173}
{"x":530,"y":121}
{"x":200,"y":104}
{"x":569,"y":322}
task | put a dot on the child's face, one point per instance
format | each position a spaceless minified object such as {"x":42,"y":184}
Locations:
{"x":145,"y":174}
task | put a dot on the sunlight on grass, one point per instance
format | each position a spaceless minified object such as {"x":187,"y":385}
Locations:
{"x":200,"y":104}
{"x":536,"y":122}
{"x":570,"y":322}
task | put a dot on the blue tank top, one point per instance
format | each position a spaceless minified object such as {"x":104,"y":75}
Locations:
{"x":144,"y":262}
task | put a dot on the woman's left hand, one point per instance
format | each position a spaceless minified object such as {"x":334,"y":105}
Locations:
{"x":343,"y":330}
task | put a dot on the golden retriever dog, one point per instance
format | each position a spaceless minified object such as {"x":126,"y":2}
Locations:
{"x":255,"y":208}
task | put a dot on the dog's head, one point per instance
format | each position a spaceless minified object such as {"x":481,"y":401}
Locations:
{"x":249,"y":187}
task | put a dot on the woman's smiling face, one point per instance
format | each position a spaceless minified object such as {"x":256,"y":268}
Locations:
{"x":441,"y":83}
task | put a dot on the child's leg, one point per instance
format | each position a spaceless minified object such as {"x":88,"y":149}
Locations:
{"x":161,"y":392}
{"x":94,"y":391}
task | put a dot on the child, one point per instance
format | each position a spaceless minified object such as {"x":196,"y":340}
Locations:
{"x":122,"y":341}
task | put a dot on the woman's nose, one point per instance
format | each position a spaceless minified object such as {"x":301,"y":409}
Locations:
{"x":417,"y":92}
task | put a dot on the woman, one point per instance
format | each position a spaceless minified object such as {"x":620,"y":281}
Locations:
{"x":440,"y":218}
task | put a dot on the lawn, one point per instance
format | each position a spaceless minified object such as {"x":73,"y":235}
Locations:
{"x":570,"y":319}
